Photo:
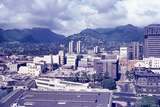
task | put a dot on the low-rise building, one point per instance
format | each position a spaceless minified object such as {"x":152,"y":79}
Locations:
{"x":72,"y":60}
{"x":64,"y":98}
{"x":50,"y":83}
{"x":32,"y":69}
{"x":150,"y":62}
{"x":110,"y":66}
{"x":146,"y":82}
{"x":15,"y":66}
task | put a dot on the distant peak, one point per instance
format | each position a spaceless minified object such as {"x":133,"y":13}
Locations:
{"x":39,"y":28}
{"x":154,"y":25}
{"x":128,"y":26}
{"x":88,"y":30}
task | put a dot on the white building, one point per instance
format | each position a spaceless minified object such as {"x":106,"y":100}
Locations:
{"x":123,"y":53}
{"x":38,"y":59}
{"x":55,"y":59}
{"x":83,"y":62}
{"x":96,"y":49}
{"x":49,"y":59}
{"x":13,"y":67}
{"x":61,"y":57}
{"x":71,"y":51}
{"x":78,"y":47}
{"x":72,"y":60}
{"x":31,"y":69}
{"x":50,"y":83}
{"x":150,"y":62}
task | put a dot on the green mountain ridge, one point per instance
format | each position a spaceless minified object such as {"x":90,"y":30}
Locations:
{"x":125,"y":33}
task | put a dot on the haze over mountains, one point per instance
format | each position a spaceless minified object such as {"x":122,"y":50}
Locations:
{"x":36,"y":35}
{"x":124,"y":33}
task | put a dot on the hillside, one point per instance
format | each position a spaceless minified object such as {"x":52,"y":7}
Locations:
{"x":126,"y":33}
{"x":36,"y":35}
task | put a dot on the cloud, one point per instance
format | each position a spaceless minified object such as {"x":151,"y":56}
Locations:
{"x":71,"y":16}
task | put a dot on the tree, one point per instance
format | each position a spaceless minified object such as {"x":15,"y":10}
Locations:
{"x":84,"y":77}
{"x":98,"y":77}
{"x":129,"y":75}
{"x":109,"y":84}
{"x":148,"y":101}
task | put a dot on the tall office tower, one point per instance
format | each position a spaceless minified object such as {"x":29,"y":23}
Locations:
{"x":71,"y":47}
{"x":152,"y":40}
{"x":96,"y":49}
{"x":61,"y":57}
{"x":123,"y":61}
{"x":135,"y":51}
{"x":78,"y":47}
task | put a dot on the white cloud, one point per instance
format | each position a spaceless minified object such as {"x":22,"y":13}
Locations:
{"x":71,"y":16}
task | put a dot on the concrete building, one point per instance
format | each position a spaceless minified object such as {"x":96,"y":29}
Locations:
{"x":78,"y":47}
{"x":55,"y":59}
{"x":38,"y":59}
{"x":15,"y":66}
{"x":50,"y":83}
{"x":61,"y":57}
{"x":151,"y":62}
{"x":152,"y":40}
{"x":123,"y":61}
{"x":32,"y":69}
{"x":123,"y":53}
{"x":96,"y":49}
{"x":59,"y":98}
{"x":147,"y":82}
{"x":48,"y":59}
{"x":83,"y":62}
{"x":90,"y":52}
{"x":135,"y":51}
{"x":72,"y":60}
{"x":71,"y":48}
{"x":110,"y":66}
{"x":87,"y":61}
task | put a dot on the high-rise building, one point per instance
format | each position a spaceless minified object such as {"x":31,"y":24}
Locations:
{"x":61,"y":57}
{"x":71,"y":47}
{"x":135,"y":51}
{"x":152,"y":41}
{"x":96,"y":49}
{"x":78,"y":47}
{"x":123,"y":53}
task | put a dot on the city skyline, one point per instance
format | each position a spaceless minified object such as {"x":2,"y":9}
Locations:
{"x":79,"y":53}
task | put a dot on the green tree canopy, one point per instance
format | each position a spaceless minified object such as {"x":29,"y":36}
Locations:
{"x":148,"y":101}
{"x":109,"y":84}
{"x":130,"y":75}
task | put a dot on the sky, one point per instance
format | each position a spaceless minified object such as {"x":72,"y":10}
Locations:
{"x":71,"y":16}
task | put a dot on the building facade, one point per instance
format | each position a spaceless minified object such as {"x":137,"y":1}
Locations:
{"x":135,"y":51}
{"x":147,"y":82}
{"x":110,"y":66}
{"x":78,"y":47}
{"x":71,"y":48}
{"x":152,"y":40}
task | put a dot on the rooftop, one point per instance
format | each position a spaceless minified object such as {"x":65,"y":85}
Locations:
{"x":64,"y":99}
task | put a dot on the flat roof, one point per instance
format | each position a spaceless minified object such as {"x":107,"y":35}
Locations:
{"x":64,"y":99}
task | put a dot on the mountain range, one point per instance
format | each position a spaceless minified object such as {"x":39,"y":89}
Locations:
{"x":34,"y":35}
{"x":125,"y":33}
